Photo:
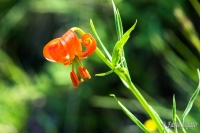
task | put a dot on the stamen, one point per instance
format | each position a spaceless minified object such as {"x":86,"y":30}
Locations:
{"x":75,"y":76}
{"x":88,"y":74}
{"x":75,"y":66}
{"x":82,"y":72}
{"x":74,"y":82}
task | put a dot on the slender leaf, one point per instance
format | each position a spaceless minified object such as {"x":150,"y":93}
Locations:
{"x":119,"y":29}
{"x":111,"y":71}
{"x":104,"y":48}
{"x":166,"y":129}
{"x":191,"y":101}
{"x":181,"y":125}
{"x":130,"y":115}
{"x":106,"y":73}
{"x":118,"y":22}
{"x":156,"y":114}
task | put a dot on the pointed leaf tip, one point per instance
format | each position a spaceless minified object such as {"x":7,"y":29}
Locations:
{"x":112,"y":95}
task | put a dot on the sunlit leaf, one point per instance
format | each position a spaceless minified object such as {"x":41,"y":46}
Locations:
{"x":181,"y":125}
{"x":118,"y":22}
{"x":130,"y":115}
{"x":191,"y":101}
{"x":104,"y":74}
{"x":104,"y":48}
{"x":117,"y":51}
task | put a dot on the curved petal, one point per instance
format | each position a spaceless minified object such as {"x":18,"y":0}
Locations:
{"x":71,"y":42}
{"x":54,"y":51}
{"x":90,"y":43}
{"x":46,"y":50}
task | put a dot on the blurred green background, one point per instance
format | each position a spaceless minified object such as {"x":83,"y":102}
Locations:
{"x":36,"y":96}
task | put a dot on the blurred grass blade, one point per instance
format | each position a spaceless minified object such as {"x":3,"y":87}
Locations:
{"x":104,"y":48}
{"x":196,"y":5}
{"x":10,"y":20}
{"x":130,"y":115}
{"x":174,"y":113}
{"x":181,"y":125}
{"x":188,"y":29}
{"x":190,"y":103}
{"x":117,"y":51}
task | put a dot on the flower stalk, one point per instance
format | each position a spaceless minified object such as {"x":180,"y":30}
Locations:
{"x":126,"y":78}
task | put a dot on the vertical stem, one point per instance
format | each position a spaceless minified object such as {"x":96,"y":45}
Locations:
{"x":126,"y":78}
{"x":146,"y":107}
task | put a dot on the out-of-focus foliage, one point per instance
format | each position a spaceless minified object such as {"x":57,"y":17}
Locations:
{"x":36,"y":96}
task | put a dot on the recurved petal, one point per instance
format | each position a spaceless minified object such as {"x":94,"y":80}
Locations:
{"x":90,"y":43}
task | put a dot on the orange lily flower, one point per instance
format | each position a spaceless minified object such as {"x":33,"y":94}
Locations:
{"x":68,"y":50}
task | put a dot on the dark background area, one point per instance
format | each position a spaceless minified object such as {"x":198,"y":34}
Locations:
{"x":36,"y":96}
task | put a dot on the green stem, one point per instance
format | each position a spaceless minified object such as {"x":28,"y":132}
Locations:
{"x":126,"y":78}
{"x":146,"y":106}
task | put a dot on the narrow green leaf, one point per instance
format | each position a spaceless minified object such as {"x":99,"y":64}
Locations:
{"x":104,"y":48}
{"x":130,"y":115}
{"x":123,"y":70}
{"x":120,"y":33}
{"x":156,"y":114}
{"x":114,"y":8}
{"x":129,"y":31}
{"x":117,"y":51}
{"x":118,"y":22}
{"x":125,"y":83}
{"x":165,"y":128}
{"x":119,"y":29}
{"x":191,"y":101}
{"x":174,"y":114}
{"x":119,"y":25}
{"x":106,"y":73}
{"x":181,"y":125}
